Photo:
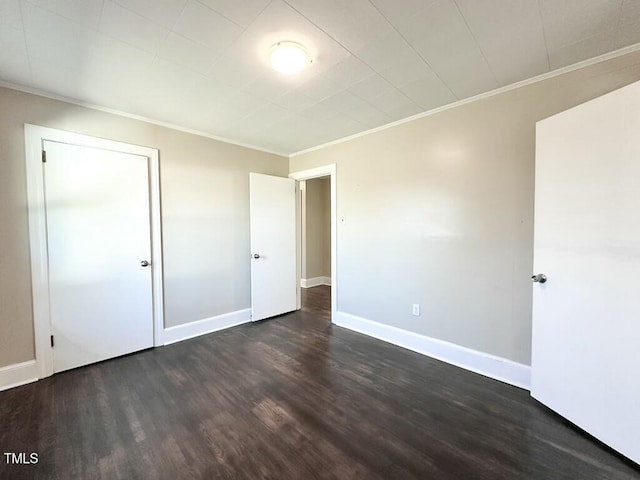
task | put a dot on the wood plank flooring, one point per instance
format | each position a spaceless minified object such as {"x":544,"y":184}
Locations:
{"x":290,"y":398}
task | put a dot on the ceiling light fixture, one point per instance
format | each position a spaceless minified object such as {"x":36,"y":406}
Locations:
{"x":289,"y":57}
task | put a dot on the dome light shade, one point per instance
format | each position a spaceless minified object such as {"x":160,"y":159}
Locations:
{"x":289,"y":57}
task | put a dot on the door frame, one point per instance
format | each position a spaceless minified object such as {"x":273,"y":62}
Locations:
{"x":34,"y":136}
{"x":323,"y":171}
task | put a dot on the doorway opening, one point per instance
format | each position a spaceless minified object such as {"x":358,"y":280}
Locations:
{"x":317,"y":239}
{"x":315,"y":245}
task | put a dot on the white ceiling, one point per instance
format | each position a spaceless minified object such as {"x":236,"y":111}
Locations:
{"x":202,"y":64}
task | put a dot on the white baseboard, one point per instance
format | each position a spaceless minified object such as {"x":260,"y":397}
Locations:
{"x":498,"y":368}
{"x":18,"y":374}
{"x":207,"y":325}
{"x":315,"y":281}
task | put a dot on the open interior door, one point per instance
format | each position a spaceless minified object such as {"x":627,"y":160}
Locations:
{"x":273,"y":245}
{"x":586,"y":316}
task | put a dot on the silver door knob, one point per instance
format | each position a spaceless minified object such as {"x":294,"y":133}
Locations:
{"x":255,"y":255}
{"x":539,"y":278}
{"x":145,"y":263}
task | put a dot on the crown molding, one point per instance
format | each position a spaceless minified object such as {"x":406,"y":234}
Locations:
{"x":523,"y":83}
{"x":113,"y":111}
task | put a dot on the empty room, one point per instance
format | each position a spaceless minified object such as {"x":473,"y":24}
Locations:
{"x":299,"y":239}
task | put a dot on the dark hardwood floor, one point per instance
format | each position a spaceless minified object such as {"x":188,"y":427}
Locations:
{"x":290,"y":398}
{"x":317,"y":300}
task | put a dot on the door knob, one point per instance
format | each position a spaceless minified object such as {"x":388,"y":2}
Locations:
{"x":255,"y":255}
{"x":145,"y":263}
{"x":539,"y":278}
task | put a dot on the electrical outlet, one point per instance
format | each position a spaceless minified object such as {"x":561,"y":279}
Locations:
{"x":416,"y":309}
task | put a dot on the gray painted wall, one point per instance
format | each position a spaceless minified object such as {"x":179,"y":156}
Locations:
{"x":318,"y":228}
{"x":205,"y":214}
{"x":439,"y":211}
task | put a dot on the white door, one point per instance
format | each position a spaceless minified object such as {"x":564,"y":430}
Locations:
{"x":586,"y":317}
{"x":273,"y":245}
{"x":98,"y":228}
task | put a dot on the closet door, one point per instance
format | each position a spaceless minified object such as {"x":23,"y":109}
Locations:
{"x":99,"y":244}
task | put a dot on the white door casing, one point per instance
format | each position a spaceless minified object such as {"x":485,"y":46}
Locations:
{"x":273,"y":245}
{"x":34,"y":138}
{"x":98,"y":235}
{"x":586,"y":327}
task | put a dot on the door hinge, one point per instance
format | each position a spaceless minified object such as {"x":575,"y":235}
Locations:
{"x":44,"y":156}
{"x":51,"y":341}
